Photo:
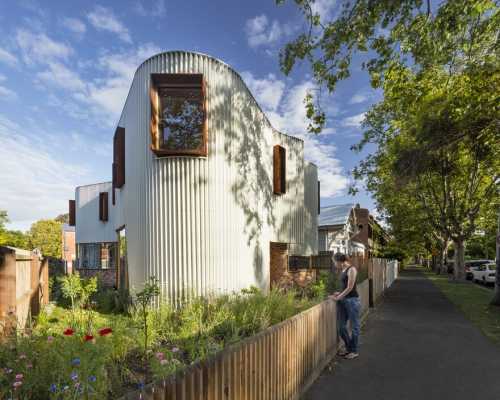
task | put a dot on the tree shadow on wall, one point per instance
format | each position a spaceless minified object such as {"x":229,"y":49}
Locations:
{"x":248,"y":144}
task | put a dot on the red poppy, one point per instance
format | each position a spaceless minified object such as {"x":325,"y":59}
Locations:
{"x":105,"y":331}
{"x":68,"y":332}
{"x":88,"y":338}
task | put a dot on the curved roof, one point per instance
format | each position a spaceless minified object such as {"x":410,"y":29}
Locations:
{"x":229,"y":68}
{"x":337,"y":214}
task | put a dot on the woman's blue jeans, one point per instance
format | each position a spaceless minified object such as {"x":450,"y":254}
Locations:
{"x":348,"y":309}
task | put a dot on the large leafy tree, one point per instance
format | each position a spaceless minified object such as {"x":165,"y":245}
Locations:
{"x":11,"y":238}
{"x":46,"y":236}
{"x":437,"y":63}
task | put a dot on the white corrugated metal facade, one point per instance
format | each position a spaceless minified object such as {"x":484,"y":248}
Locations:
{"x":204,"y":224}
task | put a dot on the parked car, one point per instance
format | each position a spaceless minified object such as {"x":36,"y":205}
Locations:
{"x":484,"y":273}
{"x":472,"y":265}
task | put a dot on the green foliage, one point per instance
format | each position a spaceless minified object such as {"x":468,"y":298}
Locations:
{"x":11,"y":238}
{"x":46,"y":236}
{"x":143,"y":301}
{"x":177,"y":337}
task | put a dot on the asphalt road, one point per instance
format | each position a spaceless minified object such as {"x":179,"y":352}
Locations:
{"x":415,"y":346}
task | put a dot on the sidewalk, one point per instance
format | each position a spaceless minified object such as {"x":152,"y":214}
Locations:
{"x":415,"y":346}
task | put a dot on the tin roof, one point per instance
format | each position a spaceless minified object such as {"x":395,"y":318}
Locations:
{"x":337,"y":214}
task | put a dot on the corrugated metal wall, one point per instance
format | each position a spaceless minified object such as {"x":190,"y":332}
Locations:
{"x":205,"y":224}
{"x":89,"y":229}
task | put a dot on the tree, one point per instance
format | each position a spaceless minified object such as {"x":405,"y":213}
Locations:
{"x":11,"y":238}
{"x":62,"y":218}
{"x":46,"y":236}
{"x":439,"y":120}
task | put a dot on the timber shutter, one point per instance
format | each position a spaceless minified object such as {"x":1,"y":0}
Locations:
{"x":72,"y":212}
{"x":279,"y":169}
{"x":319,"y":199}
{"x":119,"y":157}
{"x":103,"y":206}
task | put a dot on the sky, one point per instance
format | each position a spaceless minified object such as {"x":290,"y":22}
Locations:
{"x":66,"y":68}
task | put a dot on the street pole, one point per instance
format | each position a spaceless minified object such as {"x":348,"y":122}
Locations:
{"x":496,"y":296}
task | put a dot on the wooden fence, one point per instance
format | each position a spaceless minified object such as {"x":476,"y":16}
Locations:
{"x":24,"y":287}
{"x":279,"y":363}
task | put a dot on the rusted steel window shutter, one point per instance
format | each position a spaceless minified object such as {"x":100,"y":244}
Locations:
{"x":279,"y":169}
{"x":72,"y":212}
{"x":113,"y":185}
{"x":319,"y":197}
{"x":119,"y":157}
{"x":103,"y":206}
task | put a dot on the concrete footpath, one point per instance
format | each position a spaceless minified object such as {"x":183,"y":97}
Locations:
{"x":415,"y":346}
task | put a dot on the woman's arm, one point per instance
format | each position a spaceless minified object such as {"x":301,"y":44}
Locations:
{"x":351,"y":280}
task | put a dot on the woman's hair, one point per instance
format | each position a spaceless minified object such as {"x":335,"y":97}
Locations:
{"x":340,"y":257}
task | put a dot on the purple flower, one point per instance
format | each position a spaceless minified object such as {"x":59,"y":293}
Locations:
{"x":74,"y":376}
{"x":17,"y":384}
{"x":175,"y":350}
{"x":159,"y":355}
{"x":50,"y":338}
{"x":19,"y":377}
{"x":92,"y":378}
{"x":75,"y":361}
{"x":53,"y":388}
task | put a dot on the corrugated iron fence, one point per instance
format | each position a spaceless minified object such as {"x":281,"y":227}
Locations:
{"x":24,"y":287}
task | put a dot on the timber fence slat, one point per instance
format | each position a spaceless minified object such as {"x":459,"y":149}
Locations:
{"x":276,"y":364}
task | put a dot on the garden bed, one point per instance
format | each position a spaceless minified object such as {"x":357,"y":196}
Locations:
{"x":90,"y":354}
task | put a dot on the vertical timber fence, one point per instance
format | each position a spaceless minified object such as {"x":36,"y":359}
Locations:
{"x":24,"y":287}
{"x":279,"y":363}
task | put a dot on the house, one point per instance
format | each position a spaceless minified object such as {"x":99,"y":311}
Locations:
{"x":68,"y":247}
{"x":336,"y":228}
{"x":206,"y":195}
{"x":369,"y":232}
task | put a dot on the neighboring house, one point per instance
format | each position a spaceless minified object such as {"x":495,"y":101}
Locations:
{"x":370,"y":233}
{"x":336,"y":228}
{"x":204,"y":189}
{"x":68,"y":247}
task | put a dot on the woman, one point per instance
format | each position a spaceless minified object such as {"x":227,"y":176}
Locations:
{"x":348,"y":307}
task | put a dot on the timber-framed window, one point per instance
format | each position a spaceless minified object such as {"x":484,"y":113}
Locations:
{"x":279,"y":170}
{"x":178,"y":115}
{"x":103,"y":206}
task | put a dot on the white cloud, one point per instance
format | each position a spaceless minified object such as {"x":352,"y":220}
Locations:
{"x":108,"y":95}
{"x":7,"y":94}
{"x":37,"y":183}
{"x":74,"y":25}
{"x":325,"y":8}
{"x":156,"y":8}
{"x":353,"y":121}
{"x":60,"y":76}
{"x":289,"y":116}
{"x":268,"y":90}
{"x":103,"y":18}
{"x":261,"y":32}
{"x":39,"y":48}
{"x":7,"y":58}
{"x":358,"y":98}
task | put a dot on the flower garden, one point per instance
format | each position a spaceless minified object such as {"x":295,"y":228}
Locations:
{"x":97,"y":343}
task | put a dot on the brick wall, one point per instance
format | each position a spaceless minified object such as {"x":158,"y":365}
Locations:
{"x":106,"y":276}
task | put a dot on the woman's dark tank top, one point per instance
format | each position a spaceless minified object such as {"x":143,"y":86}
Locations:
{"x":344,"y":280}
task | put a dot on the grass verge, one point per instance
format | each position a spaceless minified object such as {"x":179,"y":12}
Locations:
{"x":473,"y":301}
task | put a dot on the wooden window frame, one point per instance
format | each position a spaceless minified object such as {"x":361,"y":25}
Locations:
{"x":176,"y":81}
{"x":119,"y":157}
{"x":279,"y":170}
{"x":103,"y":206}
{"x":72,"y":212}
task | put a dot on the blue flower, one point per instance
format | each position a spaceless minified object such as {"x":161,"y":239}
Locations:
{"x":92,"y":378}
{"x":53,"y":388}
{"x":141,"y":385}
{"x":75,"y":361}
{"x":74,"y":376}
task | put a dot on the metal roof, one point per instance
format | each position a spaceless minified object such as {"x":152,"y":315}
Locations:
{"x":337,"y":214}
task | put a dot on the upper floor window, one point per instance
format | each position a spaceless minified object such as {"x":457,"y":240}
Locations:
{"x":178,"y":115}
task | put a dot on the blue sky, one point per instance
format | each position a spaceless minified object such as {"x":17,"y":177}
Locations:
{"x":66,"y":67}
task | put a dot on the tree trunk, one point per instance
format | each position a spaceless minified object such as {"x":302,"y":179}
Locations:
{"x":442,"y":261}
{"x":459,"y":267}
{"x":496,"y":297}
